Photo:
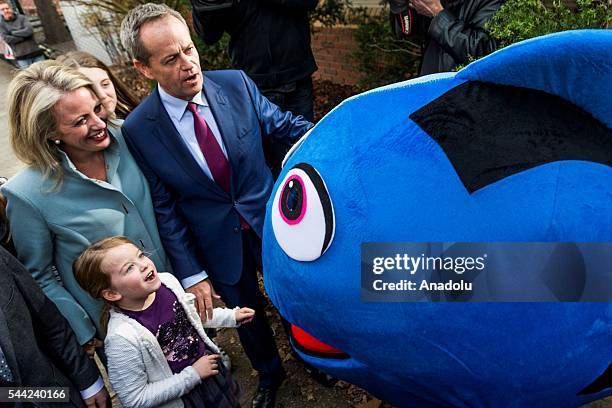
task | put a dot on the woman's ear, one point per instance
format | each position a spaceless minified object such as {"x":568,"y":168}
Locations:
{"x":111,"y":295}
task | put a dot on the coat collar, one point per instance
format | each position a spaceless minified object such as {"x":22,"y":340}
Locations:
{"x":176,"y":107}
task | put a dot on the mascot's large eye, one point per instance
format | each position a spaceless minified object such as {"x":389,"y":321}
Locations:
{"x":302,"y":214}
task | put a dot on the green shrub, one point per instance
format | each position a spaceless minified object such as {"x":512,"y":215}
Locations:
{"x":213,"y":56}
{"x":519,"y":20}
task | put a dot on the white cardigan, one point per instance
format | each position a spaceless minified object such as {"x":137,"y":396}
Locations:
{"x":137,"y":367}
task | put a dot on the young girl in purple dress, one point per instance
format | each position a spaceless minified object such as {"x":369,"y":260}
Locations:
{"x":158,"y":353}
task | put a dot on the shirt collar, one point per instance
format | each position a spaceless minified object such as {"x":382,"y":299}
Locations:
{"x":176,"y":107}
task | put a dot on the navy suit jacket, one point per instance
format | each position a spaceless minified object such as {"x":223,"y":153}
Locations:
{"x":198,"y":221}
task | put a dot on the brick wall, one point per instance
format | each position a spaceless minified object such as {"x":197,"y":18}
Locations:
{"x":333,"y":49}
{"x":29,"y":7}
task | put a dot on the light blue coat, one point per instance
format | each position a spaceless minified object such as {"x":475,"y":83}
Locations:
{"x":50,"y":228}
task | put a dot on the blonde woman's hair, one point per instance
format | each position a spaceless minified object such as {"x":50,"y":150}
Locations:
{"x":126,"y":100}
{"x":89,"y":274}
{"x":31,"y":96}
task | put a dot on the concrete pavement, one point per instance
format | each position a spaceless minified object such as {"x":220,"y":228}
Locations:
{"x":9,"y":164}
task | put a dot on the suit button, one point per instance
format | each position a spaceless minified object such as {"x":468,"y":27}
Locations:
{"x":236,"y":229}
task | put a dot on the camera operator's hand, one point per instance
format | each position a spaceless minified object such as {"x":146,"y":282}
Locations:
{"x":428,"y":8}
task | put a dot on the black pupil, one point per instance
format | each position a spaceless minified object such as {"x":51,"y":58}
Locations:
{"x":292,"y":199}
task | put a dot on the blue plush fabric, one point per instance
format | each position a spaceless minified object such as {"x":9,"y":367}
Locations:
{"x":389,"y":181}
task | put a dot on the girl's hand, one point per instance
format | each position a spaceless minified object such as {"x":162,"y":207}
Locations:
{"x":207,"y":366}
{"x":244,"y":315}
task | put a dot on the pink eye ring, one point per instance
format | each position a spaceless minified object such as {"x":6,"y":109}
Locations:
{"x":302,"y":214}
{"x":293,"y":200}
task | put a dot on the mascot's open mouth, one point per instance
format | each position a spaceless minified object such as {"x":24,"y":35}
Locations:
{"x":312,"y":346}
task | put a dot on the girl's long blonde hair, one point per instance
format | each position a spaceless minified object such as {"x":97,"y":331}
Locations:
{"x":89,"y":274}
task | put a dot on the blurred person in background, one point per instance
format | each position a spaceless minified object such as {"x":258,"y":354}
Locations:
{"x":17,"y":32}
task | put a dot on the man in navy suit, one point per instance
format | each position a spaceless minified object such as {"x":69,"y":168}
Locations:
{"x":198,"y":140}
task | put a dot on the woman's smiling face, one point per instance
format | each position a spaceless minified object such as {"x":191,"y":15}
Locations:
{"x":80,"y":125}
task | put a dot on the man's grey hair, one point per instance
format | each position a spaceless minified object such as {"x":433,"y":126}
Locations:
{"x":136,"y":18}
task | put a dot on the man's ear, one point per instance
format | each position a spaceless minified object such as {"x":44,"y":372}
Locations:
{"x":143,"y":69}
{"x":110,"y":295}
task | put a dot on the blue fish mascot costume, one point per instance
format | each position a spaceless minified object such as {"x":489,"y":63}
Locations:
{"x":515,"y":147}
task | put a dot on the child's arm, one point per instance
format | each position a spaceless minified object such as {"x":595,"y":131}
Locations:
{"x":230,"y":317}
{"x":244,"y":315}
{"x":222,"y":317}
{"x":127,"y":373}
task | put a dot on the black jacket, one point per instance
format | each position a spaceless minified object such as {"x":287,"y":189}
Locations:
{"x":454,"y":35}
{"x":269,"y":39}
{"x":39,"y":345}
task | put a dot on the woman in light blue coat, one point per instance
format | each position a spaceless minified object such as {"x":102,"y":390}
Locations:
{"x":81,"y":185}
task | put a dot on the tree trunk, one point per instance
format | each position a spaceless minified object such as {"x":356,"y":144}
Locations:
{"x":53,"y":25}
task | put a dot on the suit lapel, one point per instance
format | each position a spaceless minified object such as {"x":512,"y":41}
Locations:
{"x":226,"y":123}
{"x":169,"y":136}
